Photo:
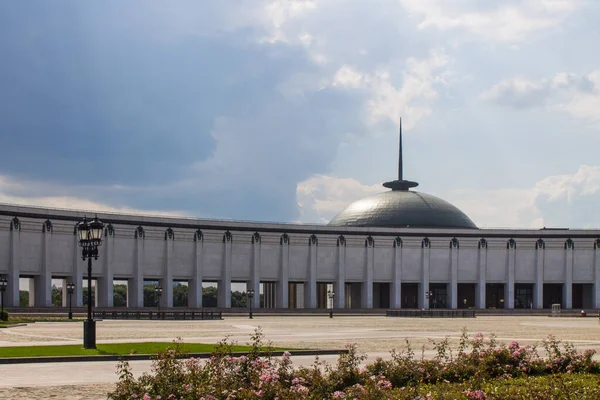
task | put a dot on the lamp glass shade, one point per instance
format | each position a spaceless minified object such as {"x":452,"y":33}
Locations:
{"x":96,"y":227}
{"x":83,"y":230}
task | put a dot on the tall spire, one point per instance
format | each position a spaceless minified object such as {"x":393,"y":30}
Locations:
{"x":400,"y":153}
{"x":400,"y":183}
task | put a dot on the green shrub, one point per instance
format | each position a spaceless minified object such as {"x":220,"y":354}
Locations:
{"x":4,"y":315}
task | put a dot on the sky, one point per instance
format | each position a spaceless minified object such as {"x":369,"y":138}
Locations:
{"x":288,"y":110}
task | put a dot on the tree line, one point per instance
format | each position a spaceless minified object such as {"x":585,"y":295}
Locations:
{"x":180,"y":296}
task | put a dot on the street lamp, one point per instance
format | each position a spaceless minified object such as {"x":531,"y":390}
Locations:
{"x":250,"y":297}
{"x":3,"y":284}
{"x":428,"y":295}
{"x":158,"y":290}
{"x":70,"y":290}
{"x":331,"y":295}
{"x":90,"y":237}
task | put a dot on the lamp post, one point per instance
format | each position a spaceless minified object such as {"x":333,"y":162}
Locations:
{"x":3,"y":284}
{"x":250,"y":297}
{"x":70,"y":290}
{"x":428,"y":295}
{"x":331,"y":295}
{"x":158,"y":289}
{"x":90,"y":237}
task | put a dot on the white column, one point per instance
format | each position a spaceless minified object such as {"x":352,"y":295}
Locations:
{"x":396,"y":289}
{"x":31,"y":282}
{"x":454,"y":246}
{"x":340,"y":282}
{"x":166,"y":300}
{"x":284,"y":268}
{"x":135,"y":295}
{"x":95,"y":289}
{"x":77,"y":277}
{"x":509,"y":287}
{"x":65,"y":294}
{"x":105,"y":282}
{"x":269,"y":295}
{"x":367,"y":285}
{"x":310,"y":290}
{"x":224,"y":294}
{"x":568,"y":285}
{"x":255,"y":273}
{"x":481,"y":274}
{"x":43,"y":282}
{"x":195,"y":284}
{"x":538,"y":288}
{"x":12,"y":288}
{"x":596,"y":288}
{"x":424,"y":287}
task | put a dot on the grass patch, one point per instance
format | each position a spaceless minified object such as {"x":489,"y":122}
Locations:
{"x":25,"y":320}
{"x":30,"y":320}
{"x":107,"y":349}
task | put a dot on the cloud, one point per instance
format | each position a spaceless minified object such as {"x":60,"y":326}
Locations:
{"x":192,"y":108}
{"x":576,"y":95}
{"x":280,"y":12}
{"x":321,"y":197}
{"x":555,"y":201}
{"x":222,"y":111}
{"x":24,"y":193}
{"x":411,"y":97}
{"x":506,"y":22}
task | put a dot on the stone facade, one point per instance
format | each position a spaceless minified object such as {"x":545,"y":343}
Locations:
{"x":293,"y":264}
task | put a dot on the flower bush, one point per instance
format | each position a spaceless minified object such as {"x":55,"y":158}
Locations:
{"x":478,"y":369}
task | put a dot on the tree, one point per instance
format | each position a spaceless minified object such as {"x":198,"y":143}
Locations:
{"x":85,"y":296}
{"x":56,"y":296}
{"x":23,"y":298}
{"x":120,"y":295}
{"x":180,"y":295}
{"x":238,"y":299}
{"x":150,"y":296}
{"x":209,"y":296}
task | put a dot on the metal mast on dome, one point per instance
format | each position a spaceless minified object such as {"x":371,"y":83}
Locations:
{"x":400,"y":183}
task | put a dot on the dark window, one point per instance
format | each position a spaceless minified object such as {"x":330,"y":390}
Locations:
{"x":523,"y":296}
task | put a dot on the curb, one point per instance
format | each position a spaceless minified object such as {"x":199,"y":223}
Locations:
{"x":145,"y":357}
{"x":13,"y":326}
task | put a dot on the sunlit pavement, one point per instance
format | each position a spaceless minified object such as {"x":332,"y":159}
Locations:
{"x":374,"y":335}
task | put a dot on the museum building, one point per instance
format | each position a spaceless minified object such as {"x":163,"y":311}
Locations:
{"x":398,"y":249}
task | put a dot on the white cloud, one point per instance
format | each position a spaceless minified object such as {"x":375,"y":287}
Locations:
{"x":280,"y":12}
{"x":347,"y":76}
{"x":505,"y":22}
{"x":321,"y":197}
{"x":555,"y":201}
{"x":570,"y":93}
{"x":28,"y":194}
{"x":387,"y":100}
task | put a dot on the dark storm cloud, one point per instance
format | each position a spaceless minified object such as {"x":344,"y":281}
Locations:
{"x":81,"y":84}
{"x":103,"y":95}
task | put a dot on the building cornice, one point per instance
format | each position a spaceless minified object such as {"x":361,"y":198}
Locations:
{"x":264,"y":227}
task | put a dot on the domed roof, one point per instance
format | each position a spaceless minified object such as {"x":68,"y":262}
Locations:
{"x":400,"y":209}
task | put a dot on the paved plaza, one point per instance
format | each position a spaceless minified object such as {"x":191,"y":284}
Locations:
{"x":374,"y":335}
